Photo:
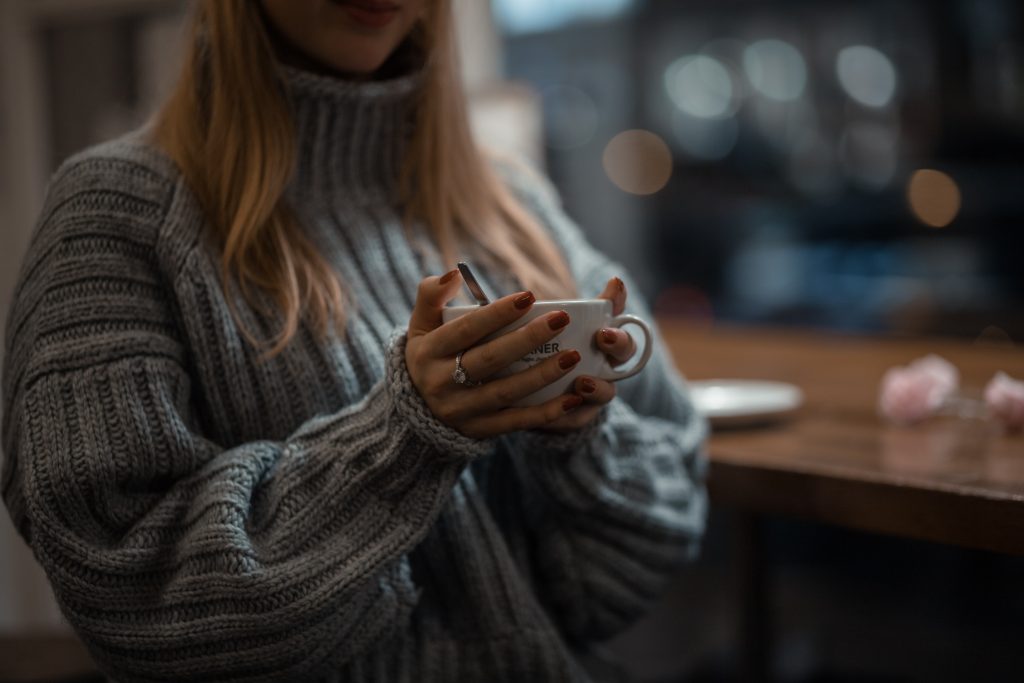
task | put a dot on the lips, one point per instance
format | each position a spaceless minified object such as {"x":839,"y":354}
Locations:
{"x":370,"y":13}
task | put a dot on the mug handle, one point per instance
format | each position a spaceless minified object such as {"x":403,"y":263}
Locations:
{"x":613,"y":375}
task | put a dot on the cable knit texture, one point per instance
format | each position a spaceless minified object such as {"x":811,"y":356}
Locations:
{"x":204,"y":514}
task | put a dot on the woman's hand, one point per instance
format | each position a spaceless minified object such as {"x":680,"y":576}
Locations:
{"x":484,"y":411}
{"x":619,"y":347}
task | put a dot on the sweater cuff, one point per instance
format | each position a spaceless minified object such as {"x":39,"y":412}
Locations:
{"x":413,"y":409}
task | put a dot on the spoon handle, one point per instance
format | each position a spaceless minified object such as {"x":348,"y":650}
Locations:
{"x":472,"y":284}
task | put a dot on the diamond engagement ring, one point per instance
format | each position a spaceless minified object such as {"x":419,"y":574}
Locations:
{"x":459,"y":373}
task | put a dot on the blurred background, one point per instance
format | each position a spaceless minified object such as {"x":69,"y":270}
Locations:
{"x":850,"y":165}
{"x":853,"y":165}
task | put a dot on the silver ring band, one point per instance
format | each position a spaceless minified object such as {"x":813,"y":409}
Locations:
{"x":459,"y":375}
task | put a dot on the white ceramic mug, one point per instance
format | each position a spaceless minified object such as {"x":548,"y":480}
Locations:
{"x":586,"y":317}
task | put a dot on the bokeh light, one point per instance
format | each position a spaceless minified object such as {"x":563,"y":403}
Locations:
{"x":700,"y":86}
{"x":934,"y":197}
{"x":638,"y":162}
{"x":866,"y":75}
{"x":776,"y":69}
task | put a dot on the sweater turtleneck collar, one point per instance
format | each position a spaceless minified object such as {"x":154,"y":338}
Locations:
{"x":351,"y":135}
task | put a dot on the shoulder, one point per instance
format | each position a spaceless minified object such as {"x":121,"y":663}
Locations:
{"x":125,"y":189}
{"x":119,"y":190}
{"x":96,"y":274}
{"x":128,"y":169}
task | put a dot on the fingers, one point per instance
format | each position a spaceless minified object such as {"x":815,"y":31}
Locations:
{"x":516,"y":419}
{"x":595,"y":394}
{"x":593,"y":390}
{"x":502,"y":393}
{"x":486,"y":359}
{"x":431,"y":297}
{"x":464,"y":332}
{"x":615,"y":291}
{"x":617,"y":344}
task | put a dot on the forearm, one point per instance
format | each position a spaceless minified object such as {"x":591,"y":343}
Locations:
{"x":265,"y":561}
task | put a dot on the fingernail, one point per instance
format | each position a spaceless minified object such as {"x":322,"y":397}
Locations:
{"x":571,"y":402}
{"x":447,"y":277}
{"x":569,"y":359}
{"x":587,"y":385}
{"x":558,"y":320}
{"x":608,"y":336}
{"x":524,"y":300}
{"x":620,"y":285}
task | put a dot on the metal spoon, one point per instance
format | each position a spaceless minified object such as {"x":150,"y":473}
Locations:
{"x":472,"y":284}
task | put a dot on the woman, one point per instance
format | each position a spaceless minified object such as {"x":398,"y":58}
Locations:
{"x":229,"y":467}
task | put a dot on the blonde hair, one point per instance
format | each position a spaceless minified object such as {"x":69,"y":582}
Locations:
{"x":229,"y":128}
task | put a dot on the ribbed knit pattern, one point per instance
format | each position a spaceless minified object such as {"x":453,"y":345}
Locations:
{"x":203,"y":514}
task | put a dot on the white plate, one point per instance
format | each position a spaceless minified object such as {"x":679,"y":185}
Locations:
{"x":736,"y":402}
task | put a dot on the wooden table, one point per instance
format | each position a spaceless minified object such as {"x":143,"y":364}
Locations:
{"x":954,"y":481}
{"x":949,"y":480}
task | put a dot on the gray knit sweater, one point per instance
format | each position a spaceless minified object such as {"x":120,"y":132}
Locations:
{"x":205,"y":515}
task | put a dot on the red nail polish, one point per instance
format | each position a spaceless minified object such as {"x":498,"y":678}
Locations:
{"x":558,"y":320}
{"x":570,"y":402}
{"x":608,"y":336}
{"x":447,"y":277}
{"x":620,"y":285}
{"x":569,"y":359}
{"x":587,"y":385}
{"x":524,"y":300}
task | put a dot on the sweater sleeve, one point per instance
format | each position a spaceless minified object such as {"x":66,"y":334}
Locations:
{"x":618,"y":506}
{"x":173,"y":557}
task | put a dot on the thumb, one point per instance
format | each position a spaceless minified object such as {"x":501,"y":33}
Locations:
{"x":615,"y":291}
{"x":431,"y":296}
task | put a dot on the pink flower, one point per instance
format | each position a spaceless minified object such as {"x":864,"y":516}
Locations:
{"x":912,"y":393}
{"x":1004,"y":396}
